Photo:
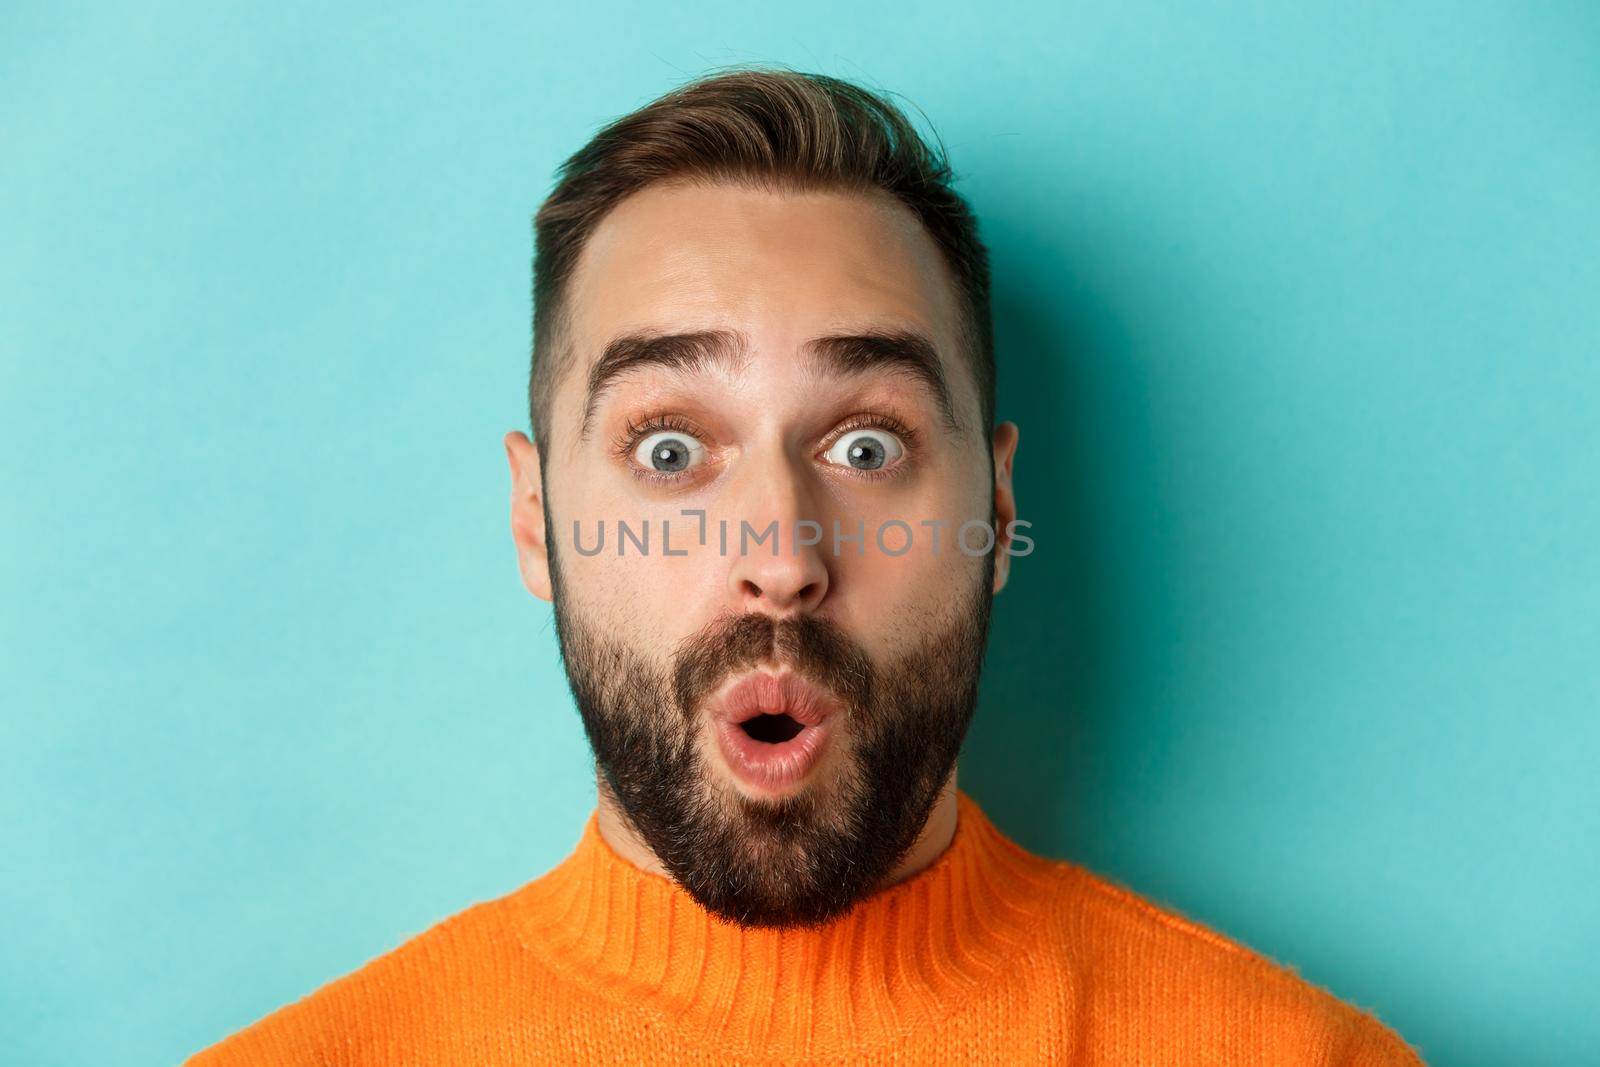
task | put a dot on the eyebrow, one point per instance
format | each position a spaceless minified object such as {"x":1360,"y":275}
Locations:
{"x":908,"y":350}
{"x":674,"y":351}
{"x":850,"y":353}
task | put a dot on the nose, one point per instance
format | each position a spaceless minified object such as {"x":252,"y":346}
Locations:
{"x":783,"y":571}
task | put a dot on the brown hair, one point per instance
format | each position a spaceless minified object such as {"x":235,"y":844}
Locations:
{"x":768,"y":127}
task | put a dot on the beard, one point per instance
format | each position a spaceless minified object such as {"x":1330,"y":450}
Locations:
{"x":807,"y":857}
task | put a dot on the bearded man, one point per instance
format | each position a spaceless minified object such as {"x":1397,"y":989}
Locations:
{"x":768,"y":498}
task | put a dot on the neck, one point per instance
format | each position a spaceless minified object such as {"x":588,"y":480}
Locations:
{"x":905,"y":957}
{"x":934,"y":837}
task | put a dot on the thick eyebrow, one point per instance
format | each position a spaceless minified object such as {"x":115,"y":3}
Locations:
{"x":678,"y":351}
{"x":842,"y":353}
{"x":853,"y":353}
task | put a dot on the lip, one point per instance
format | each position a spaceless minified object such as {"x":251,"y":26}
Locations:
{"x":765,"y":767}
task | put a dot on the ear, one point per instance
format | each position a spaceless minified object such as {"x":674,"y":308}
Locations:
{"x":1005,"y":500}
{"x":527,"y":513}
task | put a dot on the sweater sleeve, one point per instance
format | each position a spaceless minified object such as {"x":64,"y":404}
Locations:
{"x":289,"y":1037}
{"x":1378,"y":1046}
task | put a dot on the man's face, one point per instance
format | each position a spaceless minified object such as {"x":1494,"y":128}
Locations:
{"x":773,"y":709}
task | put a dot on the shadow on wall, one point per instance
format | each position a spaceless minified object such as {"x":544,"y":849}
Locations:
{"x":1041,"y":752}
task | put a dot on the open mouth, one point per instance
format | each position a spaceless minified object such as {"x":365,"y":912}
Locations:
{"x":771,"y":729}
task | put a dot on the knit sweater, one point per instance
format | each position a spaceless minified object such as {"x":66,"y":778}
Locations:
{"x":990,"y":955}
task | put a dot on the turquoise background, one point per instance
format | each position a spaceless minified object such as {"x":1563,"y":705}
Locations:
{"x":1299,"y":312}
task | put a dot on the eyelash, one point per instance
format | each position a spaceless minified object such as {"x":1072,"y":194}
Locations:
{"x":635,"y":432}
{"x":889,"y":423}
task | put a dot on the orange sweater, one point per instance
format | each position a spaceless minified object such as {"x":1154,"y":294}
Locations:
{"x":991,"y":955}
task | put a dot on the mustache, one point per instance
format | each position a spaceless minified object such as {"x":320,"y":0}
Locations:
{"x":812,"y":646}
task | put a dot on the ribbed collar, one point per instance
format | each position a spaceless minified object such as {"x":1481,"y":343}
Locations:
{"x":896,"y":963}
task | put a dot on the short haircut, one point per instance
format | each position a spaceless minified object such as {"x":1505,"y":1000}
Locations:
{"x":765,"y":127}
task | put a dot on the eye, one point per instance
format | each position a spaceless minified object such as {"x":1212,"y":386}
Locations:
{"x":668,"y":452}
{"x":865,"y":450}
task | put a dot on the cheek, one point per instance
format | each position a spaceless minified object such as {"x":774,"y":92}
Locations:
{"x":956,"y":491}
{"x":652,"y":599}
{"x":890,"y":601}
{"x":626,"y":581}
{"x":913,"y":542}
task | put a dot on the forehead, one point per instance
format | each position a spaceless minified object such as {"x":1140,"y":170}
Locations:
{"x":781,"y":267}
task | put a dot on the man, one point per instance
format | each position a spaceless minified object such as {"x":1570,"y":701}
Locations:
{"x":771,"y":506}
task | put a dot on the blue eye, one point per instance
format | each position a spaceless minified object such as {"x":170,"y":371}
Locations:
{"x":865,"y":450}
{"x":668,"y":452}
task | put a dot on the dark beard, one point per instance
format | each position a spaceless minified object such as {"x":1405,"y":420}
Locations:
{"x":805,"y":858}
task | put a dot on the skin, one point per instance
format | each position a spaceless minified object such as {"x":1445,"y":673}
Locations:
{"x":781,"y":268}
